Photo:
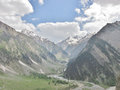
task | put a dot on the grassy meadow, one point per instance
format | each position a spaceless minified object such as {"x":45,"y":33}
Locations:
{"x":33,"y":83}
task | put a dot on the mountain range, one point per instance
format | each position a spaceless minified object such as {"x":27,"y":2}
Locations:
{"x":74,"y":45}
{"x":99,"y":61}
{"x":57,"y":51}
{"x":21,"y":54}
{"x":91,"y":57}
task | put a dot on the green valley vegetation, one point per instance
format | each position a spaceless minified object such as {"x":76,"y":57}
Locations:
{"x":88,"y":84}
{"x":33,"y":82}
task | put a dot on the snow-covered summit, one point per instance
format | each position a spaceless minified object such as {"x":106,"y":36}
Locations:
{"x":75,"y":39}
{"x":32,"y":34}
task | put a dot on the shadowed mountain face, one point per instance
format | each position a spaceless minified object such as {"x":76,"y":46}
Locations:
{"x":100,"y":59}
{"x":20,"y":54}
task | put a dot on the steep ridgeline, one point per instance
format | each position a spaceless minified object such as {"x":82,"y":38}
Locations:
{"x":74,"y":45}
{"x":50,"y":46}
{"x":100,"y":59}
{"x":20,"y":54}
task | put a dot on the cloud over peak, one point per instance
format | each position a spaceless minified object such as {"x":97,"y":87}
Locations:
{"x":59,"y":31}
{"x":106,"y":2}
{"x":100,"y":13}
{"x":88,"y":16}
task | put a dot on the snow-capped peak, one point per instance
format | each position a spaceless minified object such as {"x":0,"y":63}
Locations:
{"x":75,"y":39}
{"x":33,"y":34}
{"x":29,"y":33}
{"x":72,"y":40}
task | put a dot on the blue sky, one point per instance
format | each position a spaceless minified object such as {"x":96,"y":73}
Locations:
{"x":55,"y":19}
{"x":59,"y":19}
{"x":53,"y":11}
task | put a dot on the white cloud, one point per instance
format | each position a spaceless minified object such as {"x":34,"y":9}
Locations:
{"x":77,"y":10}
{"x":59,"y":31}
{"x":81,"y":19}
{"x":99,"y":14}
{"x":15,"y":7}
{"x":102,"y":15}
{"x":84,"y":2}
{"x":106,"y":2}
{"x":11,"y":12}
{"x":41,"y":2}
{"x":34,"y":19}
{"x":93,"y":27}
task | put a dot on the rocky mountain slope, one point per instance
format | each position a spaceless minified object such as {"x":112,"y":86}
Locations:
{"x":99,"y":61}
{"x":20,"y":54}
{"x":74,"y":45}
{"x":118,"y":83}
{"x":50,"y":46}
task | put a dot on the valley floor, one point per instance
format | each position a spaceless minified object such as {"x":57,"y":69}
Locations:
{"x":94,"y":87}
{"x":82,"y":85}
{"x":28,"y":83}
{"x":37,"y":82}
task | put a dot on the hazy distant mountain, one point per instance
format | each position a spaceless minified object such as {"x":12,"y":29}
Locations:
{"x":74,"y":45}
{"x":20,"y":54}
{"x":50,"y":46}
{"x":100,"y":59}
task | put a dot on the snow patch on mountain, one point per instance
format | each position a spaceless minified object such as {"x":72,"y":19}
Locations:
{"x":3,"y":68}
{"x":29,"y":33}
{"x":32,"y":34}
{"x":41,"y":71}
{"x":7,"y":69}
{"x":74,"y":45}
{"x":75,"y":39}
{"x":34,"y":61}
{"x":25,"y":65}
